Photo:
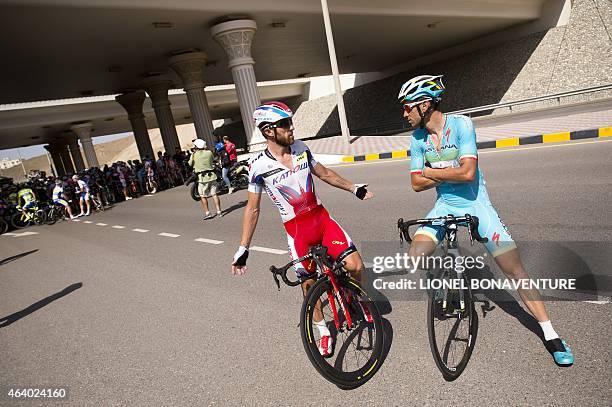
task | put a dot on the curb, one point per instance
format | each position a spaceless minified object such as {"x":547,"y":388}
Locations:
{"x":507,"y":142}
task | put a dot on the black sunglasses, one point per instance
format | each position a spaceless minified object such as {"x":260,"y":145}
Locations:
{"x":283,"y":123}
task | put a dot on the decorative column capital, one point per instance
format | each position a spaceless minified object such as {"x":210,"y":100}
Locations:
{"x":190,"y":67}
{"x":82,"y":130}
{"x":132,"y":103}
{"x":157,"y":89}
{"x":236,"y":38}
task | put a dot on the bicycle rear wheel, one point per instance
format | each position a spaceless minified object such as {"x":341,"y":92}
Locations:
{"x":3,"y":226}
{"x":357,"y":350}
{"x":452,"y":328}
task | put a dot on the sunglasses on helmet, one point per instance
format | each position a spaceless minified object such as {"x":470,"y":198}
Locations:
{"x":409,"y":106}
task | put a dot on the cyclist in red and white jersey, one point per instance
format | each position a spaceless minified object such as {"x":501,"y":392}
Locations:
{"x":284,"y":170}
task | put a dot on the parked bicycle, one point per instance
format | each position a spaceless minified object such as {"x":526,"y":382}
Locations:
{"x":452,"y":321}
{"x":351,"y":316}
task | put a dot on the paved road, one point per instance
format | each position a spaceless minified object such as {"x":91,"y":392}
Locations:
{"x":124,"y":317}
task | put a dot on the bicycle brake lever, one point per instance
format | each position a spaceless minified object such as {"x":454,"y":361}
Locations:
{"x":275,"y":276}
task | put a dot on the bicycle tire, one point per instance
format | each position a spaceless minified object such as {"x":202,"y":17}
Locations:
{"x":39,"y":218}
{"x":434,"y":309}
{"x":51,"y":216}
{"x":346,"y":380}
{"x":19,"y":220}
{"x":4,"y":226}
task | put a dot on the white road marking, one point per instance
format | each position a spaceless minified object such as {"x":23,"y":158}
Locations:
{"x":76,"y":220}
{"x":118,"y":227}
{"x":20,"y":234}
{"x":267,"y":250}
{"x":101,"y":224}
{"x":167,"y":234}
{"x":140,"y":230}
{"x":87,"y":221}
{"x":598,"y":302}
{"x":211,"y":241}
{"x":150,"y":195}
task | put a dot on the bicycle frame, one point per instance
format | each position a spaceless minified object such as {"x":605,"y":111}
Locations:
{"x":318,"y":254}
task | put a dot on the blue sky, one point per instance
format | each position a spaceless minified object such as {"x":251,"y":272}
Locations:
{"x":33,"y":151}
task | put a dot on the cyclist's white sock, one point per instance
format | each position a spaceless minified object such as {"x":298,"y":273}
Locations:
{"x":549,"y":332}
{"x":322,"y":327}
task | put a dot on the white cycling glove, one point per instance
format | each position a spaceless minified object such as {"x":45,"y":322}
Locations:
{"x":241,"y":256}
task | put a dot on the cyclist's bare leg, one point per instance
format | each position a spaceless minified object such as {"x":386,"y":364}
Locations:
{"x":354,"y":265}
{"x":81,"y":205}
{"x":318,"y":313}
{"x":510,"y":263}
{"x":67,"y":208}
{"x":422,"y":246}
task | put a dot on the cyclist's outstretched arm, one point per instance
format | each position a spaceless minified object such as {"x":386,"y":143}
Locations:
{"x":334,"y":179}
{"x":249,"y":223}
{"x":250,"y":217}
{"x":466,"y":172}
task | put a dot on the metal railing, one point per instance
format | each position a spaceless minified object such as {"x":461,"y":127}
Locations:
{"x":391,"y":128}
{"x":557,"y":96}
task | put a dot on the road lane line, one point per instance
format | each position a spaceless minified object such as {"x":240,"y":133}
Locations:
{"x":118,"y":227}
{"x":267,"y":250}
{"x":140,"y":230}
{"x":211,"y":241}
{"x":167,"y":234}
{"x":101,"y":224}
{"x":597,"y":302}
{"x":20,"y":234}
{"x":87,"y":221}
{"x":76,"y":220}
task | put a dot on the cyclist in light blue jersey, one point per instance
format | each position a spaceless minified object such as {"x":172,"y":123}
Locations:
{"x":443,"y":155}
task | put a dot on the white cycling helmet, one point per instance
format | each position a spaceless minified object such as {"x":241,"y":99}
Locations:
{"x":422,"y":87}
{"x":199,"y":143}
{"x":271,"y":112}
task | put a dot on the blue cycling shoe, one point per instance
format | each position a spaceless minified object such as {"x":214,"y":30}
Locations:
{"x":562,"y":354}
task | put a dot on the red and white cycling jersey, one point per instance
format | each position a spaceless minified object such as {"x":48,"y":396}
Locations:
{"x":306,"y":222}
{"x":292,"y":190}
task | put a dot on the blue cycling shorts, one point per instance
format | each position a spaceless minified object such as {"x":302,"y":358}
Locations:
{"x":490,"y":224}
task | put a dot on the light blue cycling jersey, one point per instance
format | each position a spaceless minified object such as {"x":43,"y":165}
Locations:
{"x":458,"y":198}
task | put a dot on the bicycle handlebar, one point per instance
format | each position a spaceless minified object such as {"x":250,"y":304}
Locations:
{"x":317,"y":252}
{"x":467,"y":220}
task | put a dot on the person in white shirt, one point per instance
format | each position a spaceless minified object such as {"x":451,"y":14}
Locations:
{"x":82,"y":191}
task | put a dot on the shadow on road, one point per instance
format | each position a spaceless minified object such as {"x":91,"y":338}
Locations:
{"x":235,"y":206}
{"x":507,"y":303}
{"x":6,"y":321}
{"x":16,"y":257}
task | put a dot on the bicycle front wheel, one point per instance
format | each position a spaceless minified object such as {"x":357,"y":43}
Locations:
{"x":51,"y":216}
{"x":452,"y":323}
{"x":357,"y":349}
{"x":20,"y":220}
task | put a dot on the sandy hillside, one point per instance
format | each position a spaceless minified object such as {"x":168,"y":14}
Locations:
{"x":119,"y":150}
